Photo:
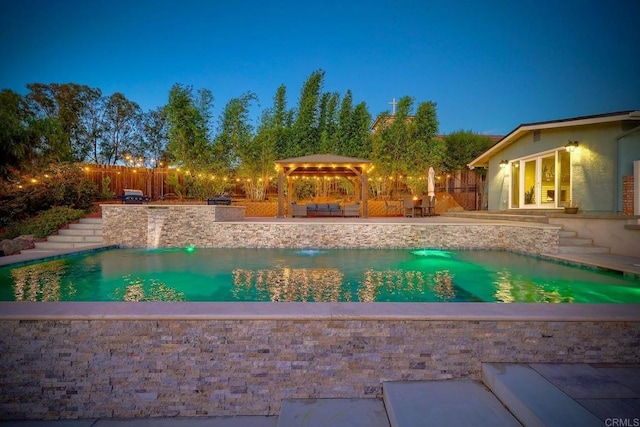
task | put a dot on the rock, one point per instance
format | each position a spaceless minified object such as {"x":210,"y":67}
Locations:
{"x":14,"y":246}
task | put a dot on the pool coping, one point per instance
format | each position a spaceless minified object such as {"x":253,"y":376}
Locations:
{"x":251,"y":311}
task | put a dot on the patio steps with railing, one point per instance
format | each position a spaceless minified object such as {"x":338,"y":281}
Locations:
{"x":86,"y":232}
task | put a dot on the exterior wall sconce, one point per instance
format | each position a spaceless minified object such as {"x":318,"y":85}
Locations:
{"x":503,"y":164}
{"x":571,"y":146}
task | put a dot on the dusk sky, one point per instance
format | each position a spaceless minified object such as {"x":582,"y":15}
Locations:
{"x":489,"y":65}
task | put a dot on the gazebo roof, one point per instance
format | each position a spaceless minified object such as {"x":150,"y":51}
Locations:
{"x":324,"y":159}
{"x":323,"y":165}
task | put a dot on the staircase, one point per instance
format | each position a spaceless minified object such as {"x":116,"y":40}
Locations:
{"x":570,"y":243}
{"x":508,"y":395}
{"x":87,"y":232}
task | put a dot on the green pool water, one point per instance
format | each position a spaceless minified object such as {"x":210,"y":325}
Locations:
{"x":311,"y":275}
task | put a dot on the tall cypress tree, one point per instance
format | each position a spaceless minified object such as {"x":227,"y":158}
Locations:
{"x":188,"y":128}
{"x":305,"y":127}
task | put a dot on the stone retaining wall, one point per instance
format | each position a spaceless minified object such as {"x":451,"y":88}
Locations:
{"x":179,"y":226}
{"x":161,"y":368}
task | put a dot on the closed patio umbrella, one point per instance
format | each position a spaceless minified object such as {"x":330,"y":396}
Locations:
{"x":431,"y":187}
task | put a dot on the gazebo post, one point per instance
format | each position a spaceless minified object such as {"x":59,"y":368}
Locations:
{"x":289,"y":190}
{"x":280,"y":193}
{"x":364,"y":181}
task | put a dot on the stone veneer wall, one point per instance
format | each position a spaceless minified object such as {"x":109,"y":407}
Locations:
{"x":140,"y":368}
{"x":179,"y":226}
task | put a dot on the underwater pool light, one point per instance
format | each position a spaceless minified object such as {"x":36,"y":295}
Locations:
{"x":432,"y":252}
{"x":309,"y":252}
{"x":190,"y":249}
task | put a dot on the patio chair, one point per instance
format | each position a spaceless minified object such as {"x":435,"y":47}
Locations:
{"x":407,"y":207}
{"x":427,"y":208}
{"x":390,"y":207}
{"x":298,"y":210}
{"x":352,"y":210}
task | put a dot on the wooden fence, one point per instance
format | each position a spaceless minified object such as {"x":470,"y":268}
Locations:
{"x":153,"y":182}
{"x":466,"y":186}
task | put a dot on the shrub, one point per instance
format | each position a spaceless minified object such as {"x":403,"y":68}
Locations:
{"x":105,"y":189}
{"x":62,"y":184}
{"x":45,"y":223}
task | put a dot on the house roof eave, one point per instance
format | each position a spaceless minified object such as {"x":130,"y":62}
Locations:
{"x":483,"y":159}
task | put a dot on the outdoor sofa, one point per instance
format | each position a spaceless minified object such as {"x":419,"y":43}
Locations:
{"x":324,"y":209}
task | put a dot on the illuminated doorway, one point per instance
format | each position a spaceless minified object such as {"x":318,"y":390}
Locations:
{"x":542,"y":181}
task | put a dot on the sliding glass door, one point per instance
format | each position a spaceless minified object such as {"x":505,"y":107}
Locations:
{"x":542,"y":181}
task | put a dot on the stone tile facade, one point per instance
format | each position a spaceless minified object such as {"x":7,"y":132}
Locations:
{"x":111,"y":365}
{"x":207,"y":226}
{"x":141,"y":368}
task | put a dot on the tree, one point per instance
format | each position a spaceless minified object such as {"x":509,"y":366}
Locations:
{"x":463,"y":146}
{"x":93,"y":126}
{"x":279,"y":122}
{"x":405,"y":145}
{"x":429,"y":149}
{"x":359,"y":143}
{"x":392,"y":143}
{"x":234,"y":131}
{"x":154,"y":136}
{"x":256,"y":158}
{"x":305,"y":127}
{"x":345,"y":123}
{"x":66,"y":105}
{"x":188,"y":126}
{"x":328,"y":123}
{"x":121,"y":129}
{"x":15,"y":147}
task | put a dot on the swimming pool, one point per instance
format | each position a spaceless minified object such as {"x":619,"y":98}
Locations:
{"x":311,"y":275}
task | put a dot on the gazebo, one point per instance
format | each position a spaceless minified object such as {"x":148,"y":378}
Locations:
{"x":322,"y":165}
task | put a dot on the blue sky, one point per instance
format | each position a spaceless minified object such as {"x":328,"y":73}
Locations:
{"x":489,"y":65}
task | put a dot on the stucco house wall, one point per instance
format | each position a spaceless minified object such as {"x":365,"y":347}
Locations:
{"x":606,"y":153}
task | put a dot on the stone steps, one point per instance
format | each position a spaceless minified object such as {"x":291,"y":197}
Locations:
{"x":444,"y":403}
{"x":524,"y":217}
{"x":570,"y":243}
{"x":583,"y":250}
{"x":87,"y":232}
{"x":80,"y":231}
{"x":509,"y":394}
{"x":575,"y":241}
{"x":333,"y":413}
{"x":532,"y":399}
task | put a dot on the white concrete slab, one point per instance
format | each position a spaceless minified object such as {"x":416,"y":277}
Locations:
{"x":610,"y":409}
{"x":237,"y":421}
{"x":444,"y":403}
{"x":533,"y":399}
{"x":333,"y":413}
{"x":49,"y":423}
{"x":582,"y":381}
{"x":628,"y":376}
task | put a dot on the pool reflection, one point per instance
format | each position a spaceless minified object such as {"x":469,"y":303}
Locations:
{"x":288,"y":284}
{"x":40,"y":282}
